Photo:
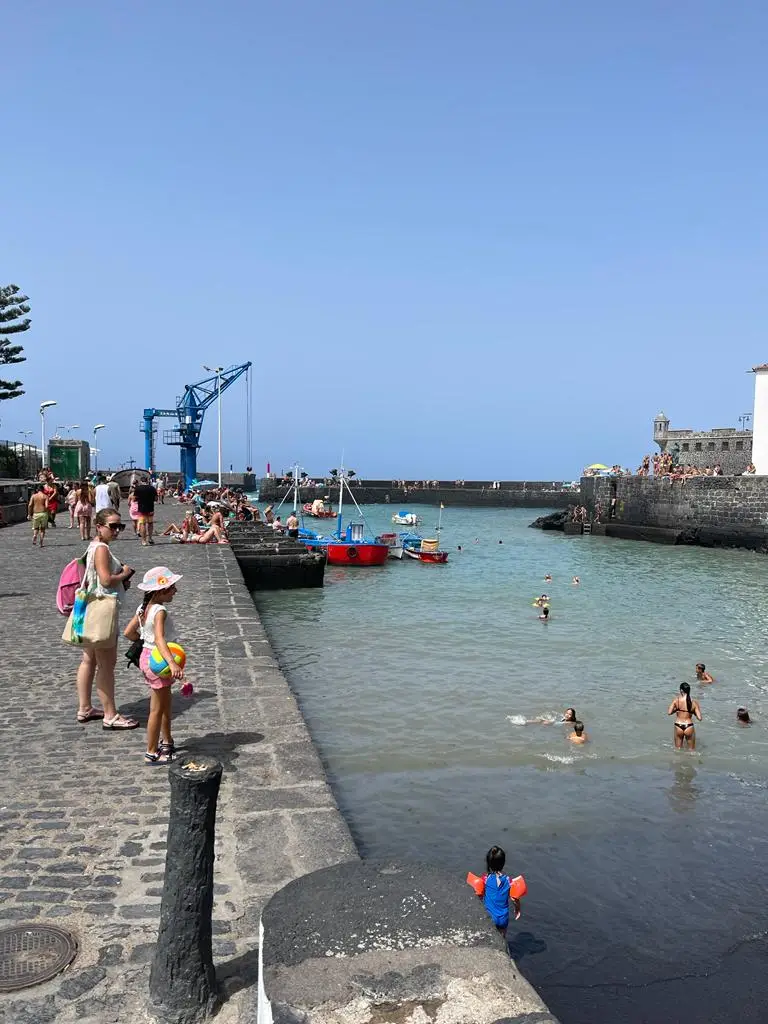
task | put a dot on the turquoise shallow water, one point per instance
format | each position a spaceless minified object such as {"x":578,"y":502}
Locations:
{"x":417,"y":682}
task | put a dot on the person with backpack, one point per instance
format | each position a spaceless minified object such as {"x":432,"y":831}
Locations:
{"x":105,"y":576}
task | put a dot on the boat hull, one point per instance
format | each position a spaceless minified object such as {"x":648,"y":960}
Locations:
{"x":433,"y":557}
{"x":394,"y":544}
{"x":357,"y":554}
{"x":326,"y":514}
{"x":354,"y":554}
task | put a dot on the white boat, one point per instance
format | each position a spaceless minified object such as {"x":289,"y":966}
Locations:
{"x":404,"y":518}
{"x":394,"y":543}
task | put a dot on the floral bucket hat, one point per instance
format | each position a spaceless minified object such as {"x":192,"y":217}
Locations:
{"x":159,"y":578}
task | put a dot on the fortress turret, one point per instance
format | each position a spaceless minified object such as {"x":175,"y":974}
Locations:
{"x":660,"y":430}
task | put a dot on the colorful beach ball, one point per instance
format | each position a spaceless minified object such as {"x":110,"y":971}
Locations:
{"x":159,"y":665}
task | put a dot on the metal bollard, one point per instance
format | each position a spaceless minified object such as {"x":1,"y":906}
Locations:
{"x":182,"y":981}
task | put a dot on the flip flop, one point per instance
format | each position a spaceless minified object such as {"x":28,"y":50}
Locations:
{"x":118,"y":722}
{"x":91,"y":715}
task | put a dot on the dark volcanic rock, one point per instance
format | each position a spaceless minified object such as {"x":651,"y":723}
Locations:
{"x":555,"y":521}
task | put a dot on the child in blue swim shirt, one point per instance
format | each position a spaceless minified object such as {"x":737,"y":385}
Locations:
{"x":496,"y":896}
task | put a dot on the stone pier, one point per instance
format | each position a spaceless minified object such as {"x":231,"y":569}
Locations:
{"x":83,"y":819}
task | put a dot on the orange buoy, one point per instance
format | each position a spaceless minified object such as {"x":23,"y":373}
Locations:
{"x":517,"y":887}
{"x":477,"y":882}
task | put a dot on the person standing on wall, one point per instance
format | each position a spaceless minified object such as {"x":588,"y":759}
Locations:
{"x":146,"y":497}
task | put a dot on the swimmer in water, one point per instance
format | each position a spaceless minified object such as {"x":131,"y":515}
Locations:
{"x":545,"y":613}
{"x":685,"y":711}
{"x":568,"y":718}
{"x":701,"y":673}
{"x":575,"y":581}
{"x":541,"y":601}
{"x":578,"y":735}
{"x":742,"y":716}
{"x":548,"y":578}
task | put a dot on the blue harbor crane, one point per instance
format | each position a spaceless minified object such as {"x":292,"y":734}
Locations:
{"x":189,"y":411}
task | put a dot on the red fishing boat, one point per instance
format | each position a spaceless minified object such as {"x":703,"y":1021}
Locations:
{"x":355,"y":552}
{"x":317,"y":513}
{"x":428,"y":554}
{"x":351,"y":547}
{"x":426,"y":550}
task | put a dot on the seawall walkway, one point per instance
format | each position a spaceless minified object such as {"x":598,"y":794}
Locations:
{"x":83,"y":819}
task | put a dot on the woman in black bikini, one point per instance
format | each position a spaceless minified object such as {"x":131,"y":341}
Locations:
{"x":686,"y":710}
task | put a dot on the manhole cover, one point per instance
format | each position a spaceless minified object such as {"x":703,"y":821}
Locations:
{"x":31,"y":954}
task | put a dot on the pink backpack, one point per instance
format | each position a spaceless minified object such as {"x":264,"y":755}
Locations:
{"x":70,"y":581}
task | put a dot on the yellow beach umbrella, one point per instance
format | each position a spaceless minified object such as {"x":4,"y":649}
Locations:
{"x":597,"y":465}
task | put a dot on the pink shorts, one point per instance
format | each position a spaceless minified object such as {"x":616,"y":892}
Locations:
{"x":151,"y":679}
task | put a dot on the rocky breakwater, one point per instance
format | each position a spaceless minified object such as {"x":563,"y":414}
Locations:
{"x":272,"y":561}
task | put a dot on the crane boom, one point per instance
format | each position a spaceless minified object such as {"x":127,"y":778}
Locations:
{"x":189,"y":411}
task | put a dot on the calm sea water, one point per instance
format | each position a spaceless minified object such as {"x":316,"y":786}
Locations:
{"x":645,"y":865}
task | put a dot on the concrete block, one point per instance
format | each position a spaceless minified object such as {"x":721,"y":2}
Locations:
{"x":374,"y":941}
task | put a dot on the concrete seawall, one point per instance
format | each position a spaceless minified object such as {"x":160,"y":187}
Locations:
{"x":473,"y":494}
{"x":84,"y":820}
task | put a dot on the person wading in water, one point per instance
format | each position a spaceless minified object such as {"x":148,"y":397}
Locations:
{"x":686,"y":710}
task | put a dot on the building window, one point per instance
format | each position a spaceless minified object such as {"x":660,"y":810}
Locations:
{"x":710,"y":446}
{"x":739,"y":446}
{"x":697,"y":446}
{"x":685,"y":446}
{"x":725,"y":446}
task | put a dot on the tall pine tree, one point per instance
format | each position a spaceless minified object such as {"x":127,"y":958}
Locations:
{"x":13,"y":320}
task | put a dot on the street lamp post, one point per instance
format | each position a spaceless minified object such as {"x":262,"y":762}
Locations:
{"x":99,"y":426}
{"x":218,"y":371}
{"x":43,"y":407}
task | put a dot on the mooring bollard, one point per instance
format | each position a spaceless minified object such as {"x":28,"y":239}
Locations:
{"x":182,"y":981}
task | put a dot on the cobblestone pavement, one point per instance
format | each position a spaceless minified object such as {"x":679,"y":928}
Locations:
{"x":83,"y":818}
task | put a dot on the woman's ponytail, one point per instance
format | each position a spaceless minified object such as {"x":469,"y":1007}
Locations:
{"x":685,"y":688}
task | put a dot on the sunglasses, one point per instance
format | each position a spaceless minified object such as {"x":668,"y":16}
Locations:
{"x":115,"y":527}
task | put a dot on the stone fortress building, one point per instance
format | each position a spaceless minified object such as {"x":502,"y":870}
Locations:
{"x":730,"y":447}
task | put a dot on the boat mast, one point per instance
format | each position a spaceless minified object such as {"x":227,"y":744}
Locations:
{"x":341,"y":501}
{"x":295,"y":486}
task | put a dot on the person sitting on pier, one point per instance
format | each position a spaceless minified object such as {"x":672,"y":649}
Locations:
{"x":292,"y":525}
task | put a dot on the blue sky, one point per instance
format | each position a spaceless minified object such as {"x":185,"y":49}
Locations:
{"x":486,"y":239}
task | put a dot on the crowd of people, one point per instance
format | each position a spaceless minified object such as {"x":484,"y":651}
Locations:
{"x":664,"y":464}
